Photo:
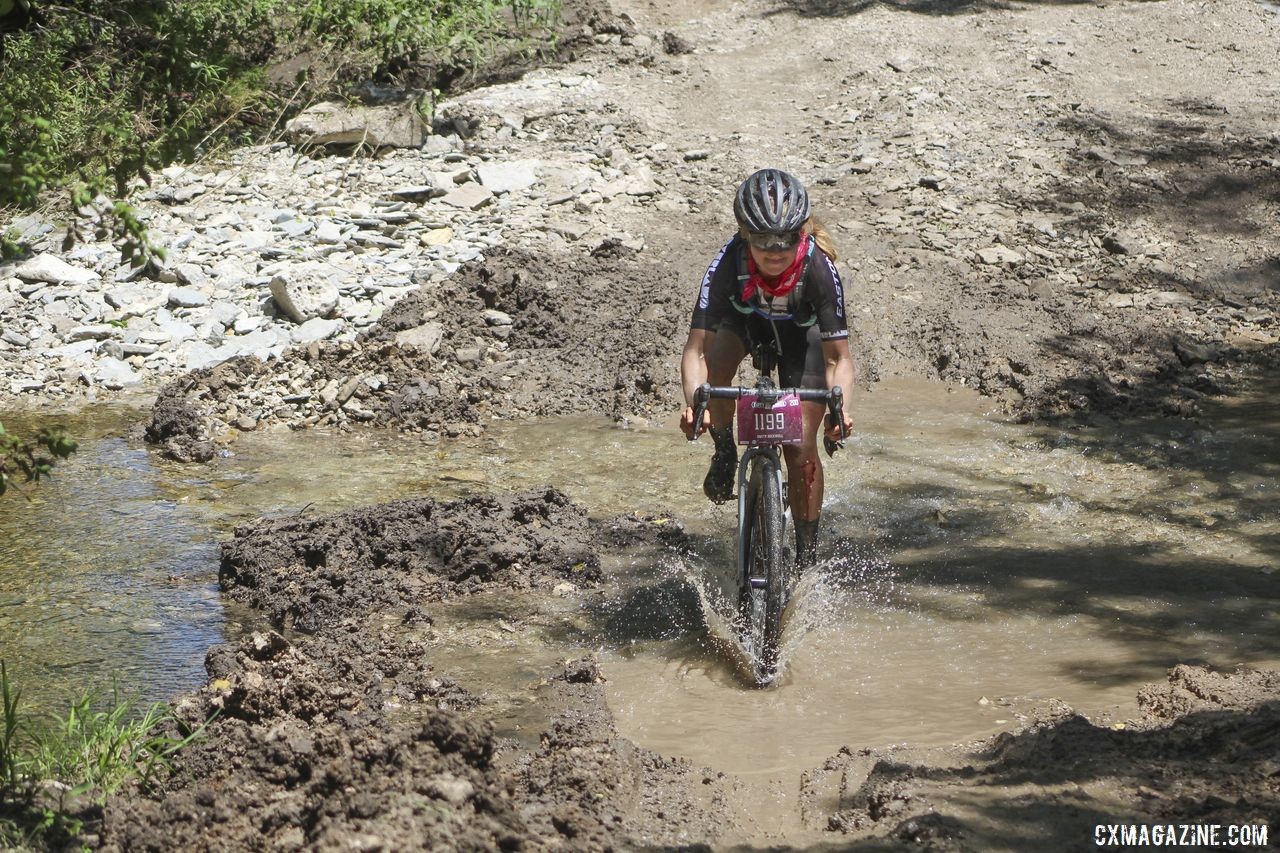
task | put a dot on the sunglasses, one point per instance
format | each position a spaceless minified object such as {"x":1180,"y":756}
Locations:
{"x":773,"y":242}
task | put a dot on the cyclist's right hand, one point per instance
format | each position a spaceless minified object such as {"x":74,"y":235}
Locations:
{"x":686,"y":423}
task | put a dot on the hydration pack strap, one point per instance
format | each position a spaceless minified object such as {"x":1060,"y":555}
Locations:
{"x":795,"y":299}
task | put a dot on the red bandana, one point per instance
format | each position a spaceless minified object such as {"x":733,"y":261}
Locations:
{"x":784,"y":283}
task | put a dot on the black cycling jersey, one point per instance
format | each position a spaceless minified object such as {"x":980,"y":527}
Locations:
{"x":822,"y":294}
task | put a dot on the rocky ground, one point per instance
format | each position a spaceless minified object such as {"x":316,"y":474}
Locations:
{"x":1072,"y":207}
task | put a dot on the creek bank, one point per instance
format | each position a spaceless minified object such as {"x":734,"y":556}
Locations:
{"x":345,"y":733}
{"x":513,"y":336}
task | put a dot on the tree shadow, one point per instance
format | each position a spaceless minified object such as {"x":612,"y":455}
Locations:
{"x":940,"y":8}
{"x":1185,"y":165}
{"x":1205,"y":767}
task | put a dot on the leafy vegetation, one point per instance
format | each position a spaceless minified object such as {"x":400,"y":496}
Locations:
{"x":52,"y":769}
{"x":31,"y":458}
{"x":95,"y":95}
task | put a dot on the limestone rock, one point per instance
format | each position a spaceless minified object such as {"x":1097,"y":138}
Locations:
{"x":468,"y":197}
{"x":335,"y":123}
{"x":53,"y":270}
{"x":304,"y":300}
{"x":426,"y":337}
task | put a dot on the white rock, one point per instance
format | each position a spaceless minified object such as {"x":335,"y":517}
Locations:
{"x":316,"y":329}
{"x":511,"y":176}
{"x":200,"y":354}
{"x":192,"y":275}
{"x":76,"y":351}
{"x":337,"y":123}
{"x":132,"y":300}
{"x":303,"y":300}
{"x":91,"y":333}
{"x":114,"y":373}
{"x":224,"y":313}
{"x":497,"y":318}
{"x":53,"y":270}
{"x":437,"y":236}
{"x":329,"y":233}
{"x":998,"y":254}
{"x":245,"y":325}
{"x":176,"y":330}
{"x":468,"y":197}
{"x":450,"y":789}
{"x":426,"y":337}
{"x":186,"y":297}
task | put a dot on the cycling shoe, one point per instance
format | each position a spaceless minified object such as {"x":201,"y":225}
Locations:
{"x":718,"y":485}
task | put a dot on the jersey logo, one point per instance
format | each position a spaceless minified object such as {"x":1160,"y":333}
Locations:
{"x":704,"y":293}
{"x":839,"y":286}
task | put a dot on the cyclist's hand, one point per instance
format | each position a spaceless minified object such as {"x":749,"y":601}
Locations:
{"x":833,"y":431}
{"x":686,"y":423}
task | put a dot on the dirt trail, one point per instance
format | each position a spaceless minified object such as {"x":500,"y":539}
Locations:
{"x":1072,"y":207}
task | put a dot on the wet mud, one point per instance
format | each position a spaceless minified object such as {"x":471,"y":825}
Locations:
{"x":342,"y":728}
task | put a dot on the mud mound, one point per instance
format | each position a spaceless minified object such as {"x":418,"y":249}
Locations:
{"x":513,"y":335}
{"x":306,"y":573}
{"x":1193,"y":689}
{"x":1204,"y":753}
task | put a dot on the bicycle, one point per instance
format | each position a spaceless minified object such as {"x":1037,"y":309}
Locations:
{"x":768,"y":418}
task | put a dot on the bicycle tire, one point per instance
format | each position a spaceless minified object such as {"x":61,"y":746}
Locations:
{"x":760,"y":607}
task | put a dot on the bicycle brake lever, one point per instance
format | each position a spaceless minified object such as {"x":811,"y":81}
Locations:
{"x":835,"y":406}
{"x":701,"y":397}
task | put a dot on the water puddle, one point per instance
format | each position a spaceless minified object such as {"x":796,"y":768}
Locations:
{"x":973,"y":569}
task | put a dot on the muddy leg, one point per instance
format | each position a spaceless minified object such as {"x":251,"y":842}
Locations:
{"x":805,"y":484}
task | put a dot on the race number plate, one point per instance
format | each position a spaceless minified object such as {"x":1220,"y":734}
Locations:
{"x":761,"y":423}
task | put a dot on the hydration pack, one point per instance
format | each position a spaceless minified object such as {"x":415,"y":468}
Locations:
{"x":796,"y":308}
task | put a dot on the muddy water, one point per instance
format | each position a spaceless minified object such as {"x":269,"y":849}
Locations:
{"x":980,"y":568}
{"x":971,"y":570}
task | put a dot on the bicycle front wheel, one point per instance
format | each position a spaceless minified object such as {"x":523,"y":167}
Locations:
{"x":760,"y":606}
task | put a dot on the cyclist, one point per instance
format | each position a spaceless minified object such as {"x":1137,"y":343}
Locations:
{"x":774,"y":284}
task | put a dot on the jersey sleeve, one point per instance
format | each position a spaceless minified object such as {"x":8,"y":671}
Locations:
{"x":827,"y":291}
{"x":716,"y":290}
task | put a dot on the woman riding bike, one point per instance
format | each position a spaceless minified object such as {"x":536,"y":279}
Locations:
{"x":773,"y":285}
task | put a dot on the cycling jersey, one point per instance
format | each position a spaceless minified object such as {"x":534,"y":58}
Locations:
{"x":819,"y":297}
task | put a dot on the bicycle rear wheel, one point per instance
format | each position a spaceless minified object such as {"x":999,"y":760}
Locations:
{"x":761,"y":599}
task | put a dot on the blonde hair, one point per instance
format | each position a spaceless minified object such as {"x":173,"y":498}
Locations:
{"x":822,"y":237}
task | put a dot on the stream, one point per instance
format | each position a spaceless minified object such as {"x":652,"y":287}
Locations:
{"x":972,"y":569}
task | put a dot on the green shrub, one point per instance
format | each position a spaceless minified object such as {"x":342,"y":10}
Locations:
{"x":94,"y":95}
{"x":31,"y":458}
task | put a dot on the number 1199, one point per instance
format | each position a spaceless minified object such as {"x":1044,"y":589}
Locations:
{"x":770,"y":421}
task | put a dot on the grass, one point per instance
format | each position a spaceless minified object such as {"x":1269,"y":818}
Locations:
{"x":52,"y":769}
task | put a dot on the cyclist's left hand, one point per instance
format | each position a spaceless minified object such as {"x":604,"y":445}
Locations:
{"x":833,"y":431}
